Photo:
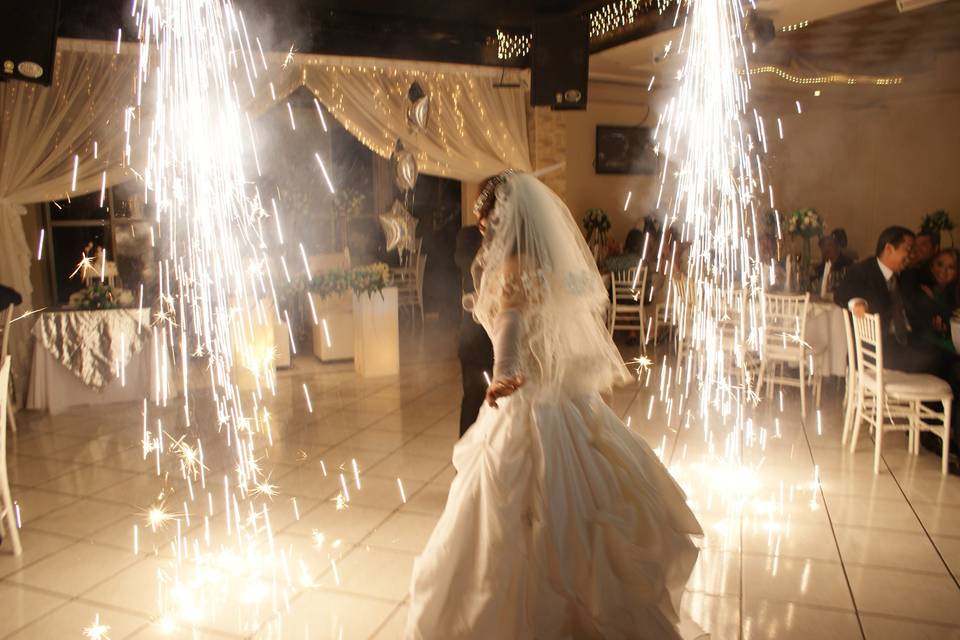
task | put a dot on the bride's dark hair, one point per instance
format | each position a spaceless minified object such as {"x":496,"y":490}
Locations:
{"x":488,"y":194}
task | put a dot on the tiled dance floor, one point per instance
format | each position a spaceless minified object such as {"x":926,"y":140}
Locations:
{"x":803,"y":541}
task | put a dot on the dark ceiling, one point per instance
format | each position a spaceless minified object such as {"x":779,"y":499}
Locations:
{"x":460,"y":31}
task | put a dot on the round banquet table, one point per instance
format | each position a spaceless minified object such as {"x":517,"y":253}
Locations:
{"x":96,"y":357}
{"x":826,"y":334}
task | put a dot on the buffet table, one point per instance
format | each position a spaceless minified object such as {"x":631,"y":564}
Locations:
{"x":96,"y":357}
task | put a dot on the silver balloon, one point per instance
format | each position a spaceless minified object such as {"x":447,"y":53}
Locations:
{"x":419,"y":112}
{"x":404,"y":170}
{"x":399,"y":227}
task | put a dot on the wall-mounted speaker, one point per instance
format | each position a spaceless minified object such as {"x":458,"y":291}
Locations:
{"x":28,"y":41}
{"x":560,"y":65}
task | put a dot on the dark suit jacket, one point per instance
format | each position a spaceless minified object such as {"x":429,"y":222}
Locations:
{"x":475,"y":346}
{"x":865,"y":280}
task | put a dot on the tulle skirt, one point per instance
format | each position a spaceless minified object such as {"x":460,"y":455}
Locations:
{"x":560,"y":524}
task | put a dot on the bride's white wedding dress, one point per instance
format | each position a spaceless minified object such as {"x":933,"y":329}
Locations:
{"x":561,"y":523}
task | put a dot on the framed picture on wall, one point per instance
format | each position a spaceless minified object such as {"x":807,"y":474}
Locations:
{"x":625,"y":150}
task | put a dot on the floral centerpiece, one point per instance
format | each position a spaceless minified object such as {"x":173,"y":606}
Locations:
{"x":806,"y":224}
{"x":100,"y":295}
{"x":596,"y":223}
{"x":367,"y":279}
{"x":935,"y":223}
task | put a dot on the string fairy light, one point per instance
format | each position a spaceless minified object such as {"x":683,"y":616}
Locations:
{"x":832,"y":78}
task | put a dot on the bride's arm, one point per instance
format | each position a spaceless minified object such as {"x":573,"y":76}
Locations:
{"x":507,"y":337}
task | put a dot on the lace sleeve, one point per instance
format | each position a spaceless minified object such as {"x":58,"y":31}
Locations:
{"x":507,"y":342}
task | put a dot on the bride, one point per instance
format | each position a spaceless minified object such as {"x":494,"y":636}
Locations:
{"x":561,"y":523}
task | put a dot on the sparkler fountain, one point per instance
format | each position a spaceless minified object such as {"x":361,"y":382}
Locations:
{"x":712,"y":144}
{"x":196,"y":70}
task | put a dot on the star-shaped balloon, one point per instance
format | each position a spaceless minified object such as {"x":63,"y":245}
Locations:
{"x":404,"y":169}
{"x":399,"y":227}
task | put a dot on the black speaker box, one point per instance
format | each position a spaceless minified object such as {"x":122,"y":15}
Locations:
{"x":28,"y":41}
{"x":561,"y":59}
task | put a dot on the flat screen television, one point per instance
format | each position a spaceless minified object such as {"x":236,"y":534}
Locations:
{"x":625,"y":150}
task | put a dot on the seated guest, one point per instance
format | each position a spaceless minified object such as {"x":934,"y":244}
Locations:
{"x":932,"y":306}
{"x":632,"y":252}
{"x":917,"y":272}
{"x":832,"y":249}
{"x":873,"y":286}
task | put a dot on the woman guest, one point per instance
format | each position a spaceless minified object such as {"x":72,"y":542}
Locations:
{"x":631,"y":255}
{"x":935,"y":302}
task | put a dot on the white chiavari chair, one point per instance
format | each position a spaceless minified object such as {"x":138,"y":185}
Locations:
{"x":850,"y":392}
{"x":889,"y":400}
{"x":627,"y":293}
{"x":8,"y":514}
{"x":410,"y":287}
{"x":4,"y":352}
{"x":784,"y":328}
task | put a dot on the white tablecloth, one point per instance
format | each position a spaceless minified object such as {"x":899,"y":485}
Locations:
{"x":825,"y":332}
{"x":55,"y":388}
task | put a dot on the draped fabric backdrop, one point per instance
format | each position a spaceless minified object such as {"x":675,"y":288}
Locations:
{"x":476,"y":128}
{"x":41,"y":130}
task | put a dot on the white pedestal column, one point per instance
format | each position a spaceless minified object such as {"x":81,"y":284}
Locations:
{"x":333,"y":334}
{"x":376,"y":334}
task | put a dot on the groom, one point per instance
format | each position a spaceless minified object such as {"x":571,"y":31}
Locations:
{"x":475,"y":350}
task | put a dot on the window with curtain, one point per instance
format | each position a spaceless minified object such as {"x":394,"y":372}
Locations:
{"x":88,"y":223}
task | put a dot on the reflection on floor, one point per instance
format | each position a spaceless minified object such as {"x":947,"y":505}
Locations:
{"x":802,"y":540}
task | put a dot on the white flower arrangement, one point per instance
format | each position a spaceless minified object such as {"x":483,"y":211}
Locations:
{"x":806,"y":223}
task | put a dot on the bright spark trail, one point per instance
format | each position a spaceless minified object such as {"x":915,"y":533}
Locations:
{"x":196,"y":71}
{"x":709,"y":140}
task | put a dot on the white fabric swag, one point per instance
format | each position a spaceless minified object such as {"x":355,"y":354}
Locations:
{"x":43,"y":128}
{"x":475,"y":129}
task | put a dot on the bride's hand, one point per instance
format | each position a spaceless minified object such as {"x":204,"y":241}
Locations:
{"x":503,"y":388}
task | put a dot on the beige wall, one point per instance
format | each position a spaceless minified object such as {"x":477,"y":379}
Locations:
{"x":612,"y":105}
{"x":864,"y":169}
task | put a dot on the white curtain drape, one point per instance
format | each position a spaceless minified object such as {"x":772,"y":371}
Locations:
{"x":476,"y":128}
{"x":43,"y":128}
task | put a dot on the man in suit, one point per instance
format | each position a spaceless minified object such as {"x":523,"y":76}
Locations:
{"x":475,"y":350}
{"x":873,"y":286}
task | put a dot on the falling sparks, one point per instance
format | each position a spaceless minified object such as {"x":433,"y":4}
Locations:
{"x":158,"y":517}
{"x":198,"y":66}
{"x":306,"y":395}
{"x":40,"y":245}
{"x":323,"y":121}
{"x":711,"y":149}
{"x":97,"y":631}
{"x":76,"y":166}
{"x":289,"y":57}
{"x":323,"y":169}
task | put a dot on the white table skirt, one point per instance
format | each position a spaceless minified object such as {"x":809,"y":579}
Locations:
{"x":825,"y":331}
{"x":54,"y":388}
